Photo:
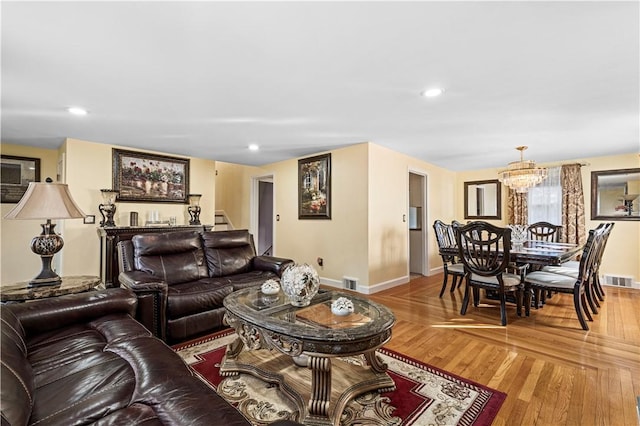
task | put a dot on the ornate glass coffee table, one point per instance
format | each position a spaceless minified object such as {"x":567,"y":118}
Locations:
{"x":301,"y":349}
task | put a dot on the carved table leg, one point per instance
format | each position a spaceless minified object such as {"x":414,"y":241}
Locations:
{"x":320,"y":386}
{"x":375,"y":362}
{"x":234,"y":348}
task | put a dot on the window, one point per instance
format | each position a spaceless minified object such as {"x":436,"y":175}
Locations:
{"x":545,"y":200}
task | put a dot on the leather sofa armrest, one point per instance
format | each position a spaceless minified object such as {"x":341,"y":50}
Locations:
{"x":277,"y":265}
{"x":48,"y":314}
{"x":125,"y":256}
{"x":152,"y":300}
{"x":141,"y":281}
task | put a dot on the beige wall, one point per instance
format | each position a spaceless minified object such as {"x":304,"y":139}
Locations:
{"x":233,"y":191}
{"x":622,"y":255}
{"x":341,"y":241}
{"x":440,"y":201}
{"x":87,"y":167}
{"x":388,"y":216}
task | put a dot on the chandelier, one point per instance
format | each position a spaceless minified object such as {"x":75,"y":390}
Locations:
{"x":522,"y":175}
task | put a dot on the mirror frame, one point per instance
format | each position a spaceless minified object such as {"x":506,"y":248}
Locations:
{"x":498,"y":214}
{"x":594,"y":195}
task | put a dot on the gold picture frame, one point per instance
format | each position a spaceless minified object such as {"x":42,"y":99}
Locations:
{"x":144,"y":178}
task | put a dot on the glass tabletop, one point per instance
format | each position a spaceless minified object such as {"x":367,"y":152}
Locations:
{"x":543,"y":246}
{"x":275,"y":313}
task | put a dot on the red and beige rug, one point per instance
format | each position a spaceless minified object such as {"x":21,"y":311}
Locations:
{"x":424,"y":395}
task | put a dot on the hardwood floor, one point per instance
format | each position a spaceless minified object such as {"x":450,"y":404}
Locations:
{"x":552,"y":371}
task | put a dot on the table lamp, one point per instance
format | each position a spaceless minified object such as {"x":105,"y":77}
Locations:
{"x":194,"y":209}
{"x":46,"y":200}
{"x":108,"y":207}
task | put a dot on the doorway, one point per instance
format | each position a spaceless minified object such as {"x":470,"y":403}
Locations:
{"x":417,"y":223}
{"x":262,"y":214}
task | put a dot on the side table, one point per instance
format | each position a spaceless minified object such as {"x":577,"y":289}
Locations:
{"x":21,"y":292}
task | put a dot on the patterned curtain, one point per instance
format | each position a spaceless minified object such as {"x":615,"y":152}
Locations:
{"x":517,"y":210}
{"x":572,"y":205}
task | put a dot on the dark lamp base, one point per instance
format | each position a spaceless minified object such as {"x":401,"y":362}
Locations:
{"x":194,"y":214}
{"x":45,"y":282}
{"x":46,"y":245}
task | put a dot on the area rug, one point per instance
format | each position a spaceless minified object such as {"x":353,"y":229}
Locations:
{"x":424,"y":395}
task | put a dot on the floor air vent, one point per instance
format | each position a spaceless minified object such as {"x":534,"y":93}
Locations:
{"x":619,"y":281}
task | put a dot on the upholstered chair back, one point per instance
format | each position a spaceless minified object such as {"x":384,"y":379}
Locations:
{"x":228,"y":252}
{"x":174,"y":257}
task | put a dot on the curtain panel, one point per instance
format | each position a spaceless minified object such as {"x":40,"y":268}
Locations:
{"x":573,"y":221}
{"x":517,"y":208}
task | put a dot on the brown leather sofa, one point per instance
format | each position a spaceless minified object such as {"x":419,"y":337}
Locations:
{"x":181,"y":278}
{"x":82,"y":359}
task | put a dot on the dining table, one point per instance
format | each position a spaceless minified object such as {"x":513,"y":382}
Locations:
{"x":535,"y":253}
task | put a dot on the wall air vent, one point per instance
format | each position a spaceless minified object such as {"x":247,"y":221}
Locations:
{"x":619,"y":281}
{"x":350,"y":283}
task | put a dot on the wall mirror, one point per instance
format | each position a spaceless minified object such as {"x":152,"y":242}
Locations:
{"x":482,"y":199}
{"x":615,"y":194}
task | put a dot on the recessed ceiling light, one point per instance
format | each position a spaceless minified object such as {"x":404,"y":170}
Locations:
{"x":77,"y":111}
{"x":254,"y":147}
{"x":432,"y":93}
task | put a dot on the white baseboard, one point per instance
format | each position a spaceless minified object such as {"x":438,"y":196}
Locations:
{"x":434,"y":271}
{"x":364,"y":289}
{"x":387,"y":284}
{"x":331,"y":283}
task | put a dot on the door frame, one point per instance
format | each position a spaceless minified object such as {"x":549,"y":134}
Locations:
{"x":425,"y":222}
{"x":254,"y":207}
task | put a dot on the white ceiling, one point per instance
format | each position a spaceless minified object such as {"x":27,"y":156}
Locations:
{"x":206,"y":79}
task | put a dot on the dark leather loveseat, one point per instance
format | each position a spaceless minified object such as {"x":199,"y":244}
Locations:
{"x":181,"y":278}
{"x":82,"y":359}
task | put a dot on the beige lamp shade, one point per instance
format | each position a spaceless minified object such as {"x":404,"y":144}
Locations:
{"x":44,"y":200}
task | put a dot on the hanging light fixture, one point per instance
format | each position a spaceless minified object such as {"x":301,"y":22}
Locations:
{"x":522,"y":175}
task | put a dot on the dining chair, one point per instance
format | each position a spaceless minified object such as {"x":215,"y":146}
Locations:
{"x":597,"y":286}
{"x":445,"y":238}
{"x":541,"y":281}
{"x":545,"y":231}
{"x":484,"y":249}
{"x":594,"y":290}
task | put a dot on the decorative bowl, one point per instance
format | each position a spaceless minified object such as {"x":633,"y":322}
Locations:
{"x":270,"y":287}
{"x":300,"y":282}
{"x":342,"y":306}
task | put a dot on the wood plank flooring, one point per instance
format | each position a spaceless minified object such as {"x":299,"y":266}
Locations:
{"x":552,"y":371}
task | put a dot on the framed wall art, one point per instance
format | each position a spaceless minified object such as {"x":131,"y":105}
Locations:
{"x":314,"y":187}
{"x":143,"y":177}
{"x":16,"y":173}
